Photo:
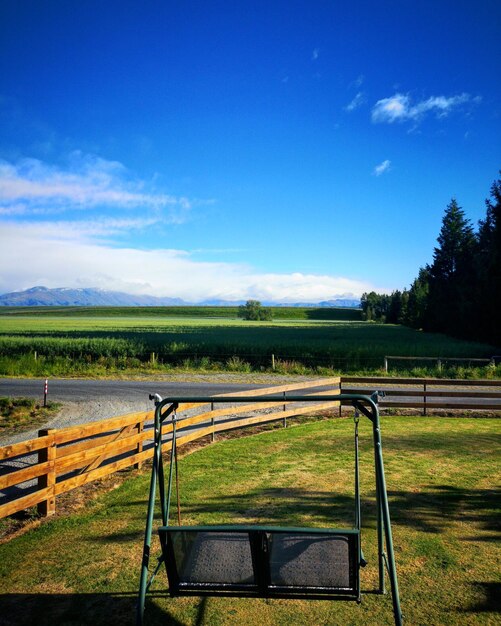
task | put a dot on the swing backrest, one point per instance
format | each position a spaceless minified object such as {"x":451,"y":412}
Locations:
{"x":261,"y":561}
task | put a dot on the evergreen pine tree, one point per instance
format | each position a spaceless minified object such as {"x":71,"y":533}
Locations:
{"x":452,"y":275}
{"x":417,"y":305}
{"x":488,"y":268}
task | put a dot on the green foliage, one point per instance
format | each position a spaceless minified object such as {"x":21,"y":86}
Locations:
{"x":385,"y":308}
{"x":488,"y":267}
{"x":417,"y":305}
{"x":452,"y":277}
{"x":254,"y":310}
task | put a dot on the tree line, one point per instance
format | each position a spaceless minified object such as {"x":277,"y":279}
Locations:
{"x":459,"y":293}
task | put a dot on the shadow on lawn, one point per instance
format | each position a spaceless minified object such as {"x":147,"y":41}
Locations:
{"x":491,"y":593}
{"x":433,"y":510}
{"x":430,"y":510}
{"x":85,"y":608}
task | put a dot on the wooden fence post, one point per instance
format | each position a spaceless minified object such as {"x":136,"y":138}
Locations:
{"x":139,"y":449}
{"x":48,"y":480}
{"x":213,"y":435}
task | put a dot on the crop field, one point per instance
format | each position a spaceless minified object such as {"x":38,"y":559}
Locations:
{"x":443,"y":485}
{"x":52,"y":344}
{"x":227,"y":312}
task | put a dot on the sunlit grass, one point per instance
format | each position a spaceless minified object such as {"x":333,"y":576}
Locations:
{"x":443,"y":481}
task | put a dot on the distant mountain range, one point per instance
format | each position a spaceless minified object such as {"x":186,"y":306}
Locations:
{"x":43,"y":296}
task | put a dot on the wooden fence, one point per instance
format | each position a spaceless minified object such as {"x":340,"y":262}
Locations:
{"x":429,"y":393}
{"x":36,"y":471}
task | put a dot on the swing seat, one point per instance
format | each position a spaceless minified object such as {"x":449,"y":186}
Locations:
{"x":262,"y":561}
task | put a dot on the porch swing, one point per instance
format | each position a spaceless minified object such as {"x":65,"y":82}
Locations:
{"x":266,"y":561}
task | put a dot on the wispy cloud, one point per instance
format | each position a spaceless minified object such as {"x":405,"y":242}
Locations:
{"x":66,"y":257}
{"x":357,"y":83}
{"x":357,"y":102}
{"x":31,"y":186}
{"x":399,"y":108}
{"x":383,"y":167}
{"x":315,"y":54}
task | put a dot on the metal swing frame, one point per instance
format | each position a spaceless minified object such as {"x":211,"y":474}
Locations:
{"x":259,"y":538}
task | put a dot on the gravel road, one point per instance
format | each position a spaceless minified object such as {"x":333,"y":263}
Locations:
{"x":86,"y":401}
{"x":91,"y":400}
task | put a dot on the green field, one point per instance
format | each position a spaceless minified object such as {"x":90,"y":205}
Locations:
{"x":71,"y":342}
{"x":226,"y":312}
{"x":443,"y":484}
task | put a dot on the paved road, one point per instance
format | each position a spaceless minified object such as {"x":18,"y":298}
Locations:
{"x":63,"y":390}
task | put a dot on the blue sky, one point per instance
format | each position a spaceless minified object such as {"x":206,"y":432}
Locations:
{"x":294,"y":151}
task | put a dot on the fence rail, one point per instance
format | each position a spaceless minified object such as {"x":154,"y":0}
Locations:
{"x":37,"y":471}
{"x":440,"y":361}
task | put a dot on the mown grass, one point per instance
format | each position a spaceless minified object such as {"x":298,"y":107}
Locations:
{"x":19,"y":413}
{"x":443,"y":480}
{"x":69,"y":345}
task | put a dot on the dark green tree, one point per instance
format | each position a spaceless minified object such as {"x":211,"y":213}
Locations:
{"x":488,"y":268}
{"x":417,"y":305}
{"x":375,"y":306}
{"x":452,"y":275}
{"x":254,"y":310}
{"x":397,"y":308}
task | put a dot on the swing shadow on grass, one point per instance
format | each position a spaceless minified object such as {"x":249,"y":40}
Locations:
{"x":431,"y":510}
{"x":85,"y":608}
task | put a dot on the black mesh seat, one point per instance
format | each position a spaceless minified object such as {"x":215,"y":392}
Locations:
{"x":217,"y":558}
{"x":261,"y":561}
{"x":306,"y":560}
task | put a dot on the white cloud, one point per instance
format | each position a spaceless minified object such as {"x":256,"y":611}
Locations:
{"x":391,"y":109}
{"x":33,"y":187}
{"x":315,"y":54}
{"x":382,"y":168}
{"x":398,"y":108}
{"x":357,"y":102}
{"x":60,"y":255}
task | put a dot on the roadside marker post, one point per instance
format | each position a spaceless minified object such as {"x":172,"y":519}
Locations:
{"x":45,"y":390}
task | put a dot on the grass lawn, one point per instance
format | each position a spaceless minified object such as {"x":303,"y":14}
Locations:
{"x":443,"y":477}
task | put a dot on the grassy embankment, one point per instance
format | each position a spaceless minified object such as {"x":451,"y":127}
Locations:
{"x":108,"y":341}
{"x":443,"y":481}
{"x":20,"y":413}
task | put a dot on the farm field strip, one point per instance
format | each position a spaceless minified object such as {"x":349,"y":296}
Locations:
{"x":34,"y":324}
{"x":132,"y":341}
